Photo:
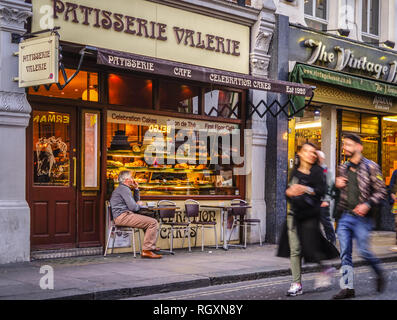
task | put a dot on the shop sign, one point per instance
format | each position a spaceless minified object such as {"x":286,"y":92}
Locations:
{"x":383,"y":103}
{"x":38,"y":61}
{"x":191,"y":72}
{"x":149,"y":29}
{"x":342,"y":55}
{"x":51,"y":118}
{"x":161,"y":123}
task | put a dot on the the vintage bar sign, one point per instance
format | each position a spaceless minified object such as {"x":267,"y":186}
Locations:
{"x":191,"y":72}
{"x":38,"y":61}
{"x":341,"y":55}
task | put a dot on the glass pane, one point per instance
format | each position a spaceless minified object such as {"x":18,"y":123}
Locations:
{"x":308,"y":129}
{"x":321,"y":9}
{"x":221,"y":103}
{"x":389,"y":147}
{"x":365,"y":16}
{"x":179,"y":97}
{"x":370,"y":145}
{"x":51,"y":148}
{"x":91,"y":122}
{"x":309,"y":7}
{"x":83,"y":87}
{"x":369,"y":124}
{"x":374,"y":17}
{"x":350,"y":121}
{"x":316,"y":25}
{"x":130,"y":91}
{"x":164,"y":172}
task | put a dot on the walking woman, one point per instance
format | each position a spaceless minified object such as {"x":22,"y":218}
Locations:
{"x":301,"y":236}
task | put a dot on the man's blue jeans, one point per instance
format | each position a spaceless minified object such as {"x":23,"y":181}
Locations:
{"x":357,"y":227}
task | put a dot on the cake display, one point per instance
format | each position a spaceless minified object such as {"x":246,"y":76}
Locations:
{"x":120,"y":141}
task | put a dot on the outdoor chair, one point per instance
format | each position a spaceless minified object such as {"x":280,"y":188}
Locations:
{"x":114,"y":229}
{"x":239,"y":213}
{"x":167,"y":218}
{"x":192,"y":212}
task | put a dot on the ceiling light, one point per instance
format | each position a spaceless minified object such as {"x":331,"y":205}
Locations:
{"x":306,"y":125}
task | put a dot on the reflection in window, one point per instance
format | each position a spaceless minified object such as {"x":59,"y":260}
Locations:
{"x":83,"y":87}
{"x":130,"y":91}
{"x":179,"y":97}
{"x":191,"y":173}
{"x":370,"y":18}
{"x":222,"y":103}
{"x":51,"y":148}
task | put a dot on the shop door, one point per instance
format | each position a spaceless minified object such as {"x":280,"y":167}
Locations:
{"x":52,"y":174}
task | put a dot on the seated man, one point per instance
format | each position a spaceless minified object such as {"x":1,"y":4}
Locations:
{"x":124,"y":208}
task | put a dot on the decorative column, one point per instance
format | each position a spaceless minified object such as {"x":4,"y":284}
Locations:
{"x":277,"y":146}
{"x":14,"y":118}
{"x":262,"y":33}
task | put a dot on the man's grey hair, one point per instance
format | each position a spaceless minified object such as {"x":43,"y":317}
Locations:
{"x":125,"y":174}
{"x":321,"y":154}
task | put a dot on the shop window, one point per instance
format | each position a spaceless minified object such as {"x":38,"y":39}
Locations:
{"x":389,"y":146}
{"x":51,"y":148}
{"x":316,"y":14}
{"x":130,"y":91}
{"x":369,"y":124}
{"x":177,"y":161}
{"x":350,"y":121}
{"x":308,"y":128}
{"x":179,"y":97}
{"x":222,"y":103}
{"x":370,"y":20}
{"x":84,"y":86}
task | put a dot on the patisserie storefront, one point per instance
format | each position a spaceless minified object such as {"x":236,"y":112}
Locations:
{"x":138,"y":102}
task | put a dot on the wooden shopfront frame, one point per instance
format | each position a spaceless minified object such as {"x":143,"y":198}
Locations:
{"x":101,"y":108}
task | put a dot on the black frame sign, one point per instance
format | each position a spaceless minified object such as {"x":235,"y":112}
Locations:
{"x":151,"y":65}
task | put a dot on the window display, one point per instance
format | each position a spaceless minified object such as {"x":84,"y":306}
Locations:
{"x":171,"y":160}
{"x":51,"y":148}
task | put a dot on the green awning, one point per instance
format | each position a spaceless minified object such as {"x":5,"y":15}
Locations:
{"x":302,"y":71}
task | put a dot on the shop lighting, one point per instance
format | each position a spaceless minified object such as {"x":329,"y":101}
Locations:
{"x":342,"y":32}
{"x":391,"y":119}
{"x":306,"y":125}
{"x":317,"y":112}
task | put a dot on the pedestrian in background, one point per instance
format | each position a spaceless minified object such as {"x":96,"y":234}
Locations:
{"x":301,"y":236}
{"x":325,"y":217}
{"x":361,"y":188}
{"x":393,"y":193}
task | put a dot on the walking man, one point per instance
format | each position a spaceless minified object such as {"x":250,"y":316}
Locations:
{"x":361,"y":188}
{"x":325,"y":218}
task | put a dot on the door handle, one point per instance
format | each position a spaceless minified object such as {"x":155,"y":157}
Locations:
{"x":74,"y":171}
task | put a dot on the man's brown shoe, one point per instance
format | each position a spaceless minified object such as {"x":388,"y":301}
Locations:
{"x":150,"y":254}
{"x":344,"y":294}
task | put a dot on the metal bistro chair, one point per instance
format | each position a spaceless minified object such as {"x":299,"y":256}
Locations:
{"x":239,"y":212}
{"x":192,"y":211}
{"x":167,"y":218}
{"x":114,"y":228}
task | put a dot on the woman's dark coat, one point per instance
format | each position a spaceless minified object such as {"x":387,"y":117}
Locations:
{"x":314,"y":246}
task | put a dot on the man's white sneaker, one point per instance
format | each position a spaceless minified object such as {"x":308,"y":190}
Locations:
{"x":295,"y":289}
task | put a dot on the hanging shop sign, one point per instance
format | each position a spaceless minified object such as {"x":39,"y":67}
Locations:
{"x":148,"y":28}
{"x":38,"y":61}
{"x":191,"y":72}
{"x":318,"y":49}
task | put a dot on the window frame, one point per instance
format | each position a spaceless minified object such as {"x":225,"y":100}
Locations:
{"x":367,"y":33}
{"x":313,"y":17}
